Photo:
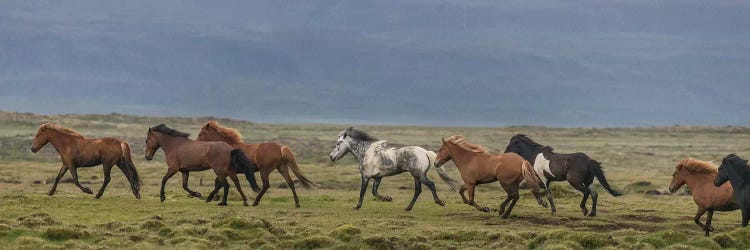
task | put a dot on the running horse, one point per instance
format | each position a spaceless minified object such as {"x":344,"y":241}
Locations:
{"x":577,"y":168}
{"x":699,"y":176}
{"x":378,"y":159}
{"x":735,"y":170}
{"x":77,"y":151}
{"x":268,"y":156}
{"x":477,"y":166}
{"x":185,"y":155}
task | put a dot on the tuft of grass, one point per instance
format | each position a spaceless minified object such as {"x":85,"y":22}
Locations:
{"x":60,"y":234}
{"x":585,"y":240}
{"x":345,"y":232}
{"x":314,"y":242}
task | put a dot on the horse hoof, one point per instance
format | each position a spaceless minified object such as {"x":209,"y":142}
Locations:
{"x":98,"y":196}
{"x":387,"y":198}
{"x":408,"y":208}
{"x":162,"y":198}
{"x":245,"y":204}
{"x":357,"y":207}
{"x":296,"y":205}
{"x":51,"y":193}
{"x":196,"y":194}
{"x":222,"y":203}
{"x":255,"y":204}
{"x":592,"y":215}
{"x":137,"y":196}
{"x":485,"y":209}
{"x":87,"y":190}
{"x":218,"y":197}
{"x":440,"y":202}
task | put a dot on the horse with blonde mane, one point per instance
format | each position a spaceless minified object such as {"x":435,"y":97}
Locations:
{"x":268,"y":156}
{"x":477,"y":166}
{"x":77,"y":151}
{"x":699,"y":177}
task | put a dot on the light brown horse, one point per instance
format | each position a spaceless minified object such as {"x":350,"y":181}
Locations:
{"x":699,"y":177}
{"x":477,"y":166}
{"x":268,"y":156}
{"x":77,"y":151}
{"x":185,"y":155}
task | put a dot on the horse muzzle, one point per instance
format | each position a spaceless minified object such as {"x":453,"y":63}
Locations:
{"x":34,"y":150}
{"x":148,"y":158}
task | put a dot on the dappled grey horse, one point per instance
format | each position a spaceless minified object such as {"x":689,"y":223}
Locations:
{"x":378,"y":159}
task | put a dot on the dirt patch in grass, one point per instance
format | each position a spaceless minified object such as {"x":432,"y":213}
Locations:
{"x":644,"y":218}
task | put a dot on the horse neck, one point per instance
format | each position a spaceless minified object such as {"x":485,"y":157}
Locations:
{"x":169,"y":143}
{"x":359,"y":149}
{"x":461,"y":156}
{"x":696,"y":182}
{"x":60,"y":141}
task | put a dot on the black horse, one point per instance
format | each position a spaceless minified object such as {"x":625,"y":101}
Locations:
{"x":577,"y":168}
{"x":735,"y":170}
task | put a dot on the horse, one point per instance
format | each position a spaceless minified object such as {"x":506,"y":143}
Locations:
{"x":735,"y":170}
{"x":267,"y":156}
{"x":185,"y":155}
{"x":477,"y":166}
{"x":577,"y":168}
{"x":698,"y":176}
{"x":77,"y":151}
{"x":377,"y":159}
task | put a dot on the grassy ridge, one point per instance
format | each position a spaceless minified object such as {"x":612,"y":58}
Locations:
{"x":635,"y":160}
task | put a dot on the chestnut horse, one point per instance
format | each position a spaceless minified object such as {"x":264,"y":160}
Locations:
{"x":79,"y":152}
{"x":477,"y":166}
{"x":185,"y":155}
{"x":735,"y":170}
{"x":268,"y":156}
{"x":699,"y":176}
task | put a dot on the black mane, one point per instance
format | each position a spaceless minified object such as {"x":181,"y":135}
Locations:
{"x":359,"y":135}
{"x":525,"y":139}
{"x":161,"y":128}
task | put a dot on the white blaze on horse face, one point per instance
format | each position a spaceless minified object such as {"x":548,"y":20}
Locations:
{"x":341,"y":148}
{"x":541,"y":165}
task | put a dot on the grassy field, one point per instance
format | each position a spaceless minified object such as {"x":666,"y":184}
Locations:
{"x":635,"y":160}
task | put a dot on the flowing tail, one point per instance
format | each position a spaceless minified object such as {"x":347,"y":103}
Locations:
{"x":288,"y":157}
{"x":454,"y":184}
{"x":597,"y":170}
{"x":128,"y":168}
{"x":530,"y":176}
{"x":245,"y":165}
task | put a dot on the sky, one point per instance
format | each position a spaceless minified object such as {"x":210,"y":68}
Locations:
{"x":453,"y":63}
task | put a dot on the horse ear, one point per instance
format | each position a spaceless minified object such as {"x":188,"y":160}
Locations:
{"x":442,"y":139}
{"x":350,"y":129}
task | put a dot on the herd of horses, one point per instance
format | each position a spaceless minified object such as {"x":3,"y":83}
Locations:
{"x":222,"y":150}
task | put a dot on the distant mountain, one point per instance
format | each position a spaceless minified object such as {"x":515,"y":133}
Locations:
{"x":554,"y":63}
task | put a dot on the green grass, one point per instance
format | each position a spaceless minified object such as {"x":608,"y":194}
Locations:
{"x":636,"y":160}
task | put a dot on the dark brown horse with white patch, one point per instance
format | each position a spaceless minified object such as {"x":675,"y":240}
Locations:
{"x":77,"y":151}
{"x":268,"y":156}
{"x":699,"y":177}
{"x":477,"y":166}
{"x":185,"y":155}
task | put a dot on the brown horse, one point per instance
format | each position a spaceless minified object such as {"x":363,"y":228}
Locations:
{"x":185,"y":155}
{"x":699,"y":177}
{"x":477,"y":166}
{"x":268,"y":156}
{"x":79,"y":152}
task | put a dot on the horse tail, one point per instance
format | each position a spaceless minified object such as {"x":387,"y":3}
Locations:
{"x":597,"y":171}
{"x":129,"y":169}
{"x":288,"y":157}
{"x":530,"y":176}
{"x":244,"y":165}
{"x":454,"y":184}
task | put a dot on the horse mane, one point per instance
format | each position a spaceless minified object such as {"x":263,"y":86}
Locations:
{"x":161,"y":128}
{"x":60,"y":129}
{"x":737,"y":163}
{"x":524,"y":138}
{"x":230,"y":134}
{"x":461,"y":142}
{"x":359,"y":135}
{"x":547,"y":149}
{"x":697,"y":166}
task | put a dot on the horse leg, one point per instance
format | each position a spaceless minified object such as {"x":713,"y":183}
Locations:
{"x":225,"y":185}
{"x":362,"y":190}
{"x":470,"y":188}
{"x":580,"y":187}
{"x":74,"y":173}
{"x":463,"y":197}
{"x":745,"y":216}
{"x":697,"y":217}
{"x":513,"y":195}
{"x":375,"y":186}
{"x":431,"y":185}
{"x":185,"y":177}
{"x":290,"y":183}
{"x":417,"y":192}
{"x":266,"y":185}
{"x":63,"y":169}
{"x":507,"y":200}
{"x":708,"y":227}
{"x":107,"y":170}
{"x":217,"y":186}
{"x":170,"y":173}
{"x":549,"y":198}
{"x":237,"y":184}
{"x":594,"y":197}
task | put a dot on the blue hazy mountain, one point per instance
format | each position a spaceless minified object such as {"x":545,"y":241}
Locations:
{"x":554,"y":63}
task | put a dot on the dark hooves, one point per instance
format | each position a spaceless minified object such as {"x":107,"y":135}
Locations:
{"x":440,"y":202}
{"x":592,"y":215}
{"x":485,"y":209}
{"x":217,"y":198}
{"x":386,"y":198}
{"x":357,"y":207}
{"x":222,"y":204}
{"x":87,"y":190}
{"x":196,"y":194}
